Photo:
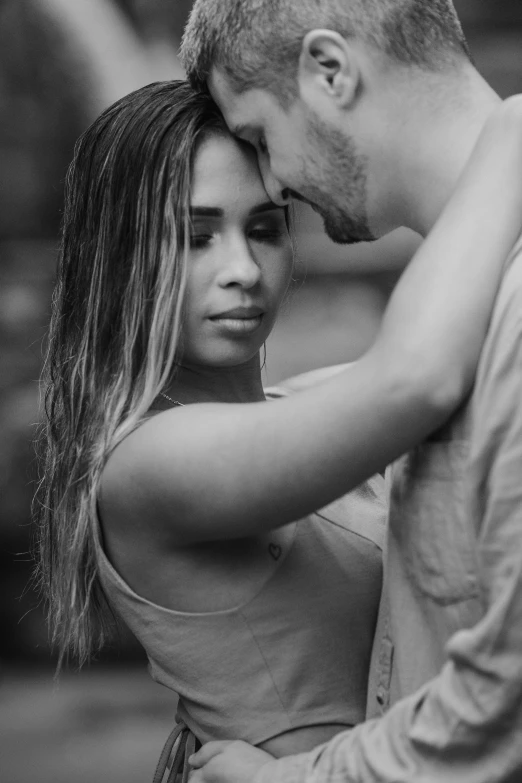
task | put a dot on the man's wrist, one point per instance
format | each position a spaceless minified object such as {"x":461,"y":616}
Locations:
{"x":265,"y":774}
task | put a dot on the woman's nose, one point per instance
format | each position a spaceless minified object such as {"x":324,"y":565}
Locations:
{"x":240,"y":267}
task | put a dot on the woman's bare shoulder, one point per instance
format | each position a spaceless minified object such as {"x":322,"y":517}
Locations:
{"x":124,"y":493}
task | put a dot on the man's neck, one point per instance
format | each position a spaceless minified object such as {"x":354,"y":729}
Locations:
{"x":434,"y":150}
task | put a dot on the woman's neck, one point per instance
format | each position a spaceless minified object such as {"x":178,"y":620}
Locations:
{"x":201,"y":383}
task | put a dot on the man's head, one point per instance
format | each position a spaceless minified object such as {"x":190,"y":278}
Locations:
{"x":308,"y":83}
{"x":258,"y":43}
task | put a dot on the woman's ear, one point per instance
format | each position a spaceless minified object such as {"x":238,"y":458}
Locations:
{"x":328,"y":68}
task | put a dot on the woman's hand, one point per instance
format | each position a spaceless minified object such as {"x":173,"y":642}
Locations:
{"x":227,"y":762}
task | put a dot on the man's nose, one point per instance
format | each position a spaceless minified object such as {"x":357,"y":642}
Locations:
{"x":275,"y":190}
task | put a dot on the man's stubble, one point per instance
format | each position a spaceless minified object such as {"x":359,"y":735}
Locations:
{"x":336,"y":177}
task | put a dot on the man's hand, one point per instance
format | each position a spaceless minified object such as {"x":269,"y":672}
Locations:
{"x":227,"y":762}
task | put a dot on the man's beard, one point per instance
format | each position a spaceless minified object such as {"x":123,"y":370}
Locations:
{"x":337,"y":169}
{"x":342,"y":229}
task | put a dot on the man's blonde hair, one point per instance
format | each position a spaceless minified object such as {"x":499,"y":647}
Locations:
{"x":257,"y":43}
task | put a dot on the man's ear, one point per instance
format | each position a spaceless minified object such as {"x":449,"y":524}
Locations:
{"x":328,"y":65}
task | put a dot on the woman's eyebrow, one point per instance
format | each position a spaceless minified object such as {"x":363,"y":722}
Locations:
{"x":268,"y":206}
{"x":205,"y":212}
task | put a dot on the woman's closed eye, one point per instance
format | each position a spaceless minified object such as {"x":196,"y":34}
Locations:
{"x":265,"y":235}
{"x":200,"y":240}
{"x":272,"y":231}
{"x":270,"y":228}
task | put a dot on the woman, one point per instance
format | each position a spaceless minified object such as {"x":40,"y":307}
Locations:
{"x":198,"y":523}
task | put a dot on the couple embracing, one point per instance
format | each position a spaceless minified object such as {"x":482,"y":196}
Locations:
{"x":240,"y":536}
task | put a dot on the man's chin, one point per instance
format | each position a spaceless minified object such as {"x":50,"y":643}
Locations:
{"x":344,"y":239}
{"x":341,"y":236}
{"x":342,"y":231}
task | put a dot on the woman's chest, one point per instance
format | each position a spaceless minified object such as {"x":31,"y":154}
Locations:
{"x":337,"y":548}
{"x":208,"y":577}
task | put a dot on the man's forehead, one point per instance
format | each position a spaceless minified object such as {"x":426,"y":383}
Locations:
{"x":219,"y":85}
{"x":240,"y":110}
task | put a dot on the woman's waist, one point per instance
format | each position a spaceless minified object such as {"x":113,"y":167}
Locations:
{"x":280,"y":732}
{"x":302,"y":739}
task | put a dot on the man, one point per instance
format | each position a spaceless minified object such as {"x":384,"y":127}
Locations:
{"x":368,"y":110}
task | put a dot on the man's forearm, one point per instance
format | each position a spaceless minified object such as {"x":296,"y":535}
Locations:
{"x":420,"y":740}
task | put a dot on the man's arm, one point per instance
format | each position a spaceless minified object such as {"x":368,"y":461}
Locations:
{"x":465,"y":725}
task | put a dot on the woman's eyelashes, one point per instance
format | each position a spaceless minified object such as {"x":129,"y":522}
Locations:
{"x":198,"y":241}
{"x":268,"y":231}
{"x":273,"y":234}
{"x":269,"y":228}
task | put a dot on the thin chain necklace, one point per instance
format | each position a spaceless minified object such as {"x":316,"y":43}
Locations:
{"x":174,"y":402}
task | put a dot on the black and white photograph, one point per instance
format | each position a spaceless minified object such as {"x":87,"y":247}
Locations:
{"x":261,"y":391}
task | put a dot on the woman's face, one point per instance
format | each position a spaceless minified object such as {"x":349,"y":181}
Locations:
{"x":240,"y":258}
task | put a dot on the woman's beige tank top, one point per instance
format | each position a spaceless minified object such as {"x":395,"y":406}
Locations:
{"x":295,"y":655}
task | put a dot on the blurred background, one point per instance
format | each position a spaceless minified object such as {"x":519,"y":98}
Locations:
{"x":61,"y":63}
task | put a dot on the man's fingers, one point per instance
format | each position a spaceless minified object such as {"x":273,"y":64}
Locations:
{"x":207,"y":752}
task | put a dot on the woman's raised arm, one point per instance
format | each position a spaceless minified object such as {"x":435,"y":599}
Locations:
{"x":215,"y":471}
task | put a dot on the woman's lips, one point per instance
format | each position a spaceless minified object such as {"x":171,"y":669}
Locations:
{"x":240,"y":320}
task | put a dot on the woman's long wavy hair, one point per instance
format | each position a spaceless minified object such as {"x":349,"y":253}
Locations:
{"x":115,"y":328}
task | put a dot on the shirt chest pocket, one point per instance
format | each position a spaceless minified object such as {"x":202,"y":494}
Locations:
{"x":429,"y":522}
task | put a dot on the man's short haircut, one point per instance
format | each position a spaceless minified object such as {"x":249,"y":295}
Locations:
{"x":257,"y":43}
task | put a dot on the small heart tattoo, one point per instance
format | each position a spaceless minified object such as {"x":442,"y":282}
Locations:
{"x":275,"y":551}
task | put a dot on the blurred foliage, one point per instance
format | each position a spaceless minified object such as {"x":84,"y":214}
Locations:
{"x":157,"y":17}
{"x":41,"y":119}
{"x":489,"y":13}
{"x":49,"y":90}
